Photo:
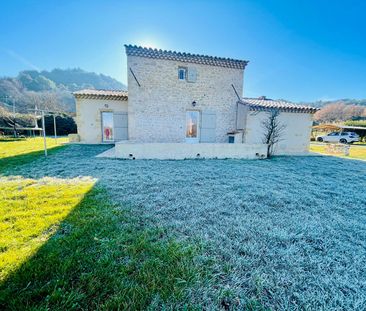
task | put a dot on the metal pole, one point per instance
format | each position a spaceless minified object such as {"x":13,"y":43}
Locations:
{"x":14,"y":127}
{"x":54,"y":128}
{"x":15,"y":131}
{"x":44,"y":134}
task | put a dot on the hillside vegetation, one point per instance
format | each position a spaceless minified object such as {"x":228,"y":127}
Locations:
{"x":339,"y":112}
{"x":51,"y":89}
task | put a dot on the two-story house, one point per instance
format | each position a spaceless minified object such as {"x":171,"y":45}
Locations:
{"x":181,"y":105}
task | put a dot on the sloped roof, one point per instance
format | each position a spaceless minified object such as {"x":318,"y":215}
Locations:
{"x":262,"y":103}
{"x":133,"y":50}
{"x":101,"y":94}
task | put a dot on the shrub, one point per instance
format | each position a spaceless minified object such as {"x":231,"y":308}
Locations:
{"x":356,"y":123}
{"x":64,"y":125}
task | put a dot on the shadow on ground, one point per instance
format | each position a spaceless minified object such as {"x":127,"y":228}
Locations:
{"x":12,"y":162}
{"x":102,"y":257}
{"x":287,"y":232}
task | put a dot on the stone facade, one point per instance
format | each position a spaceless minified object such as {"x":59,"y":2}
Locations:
{"x":157,"y":108}
{"x":88,"y":117}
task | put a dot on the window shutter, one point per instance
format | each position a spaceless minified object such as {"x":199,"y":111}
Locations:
{"x":241,"y":116}
{"x":120,"y":120}
{"x":192,"y":74}
{"x":208,"y":127}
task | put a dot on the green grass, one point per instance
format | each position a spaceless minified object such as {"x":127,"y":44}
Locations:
{"x":100,"y":257}
{"x":281,"y":234}
{"x":15,"y":152}
{"x":19,"y":147}
{"x":29,"y":215}
{"x":64,"y":245}
{"x":356,"y":152}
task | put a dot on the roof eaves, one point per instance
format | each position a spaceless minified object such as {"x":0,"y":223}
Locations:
{"x":101,"y":94}
{"x":256,"y":104}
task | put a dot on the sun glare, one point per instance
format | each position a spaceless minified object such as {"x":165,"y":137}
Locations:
{"x":150,"y":43}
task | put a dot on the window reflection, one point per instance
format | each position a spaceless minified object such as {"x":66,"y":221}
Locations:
{"x":192,"y":124}
{"x":107,"y":126}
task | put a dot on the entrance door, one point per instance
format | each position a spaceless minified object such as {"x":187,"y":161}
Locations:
{"x":107,"y":127}
{"x":192,"y":126}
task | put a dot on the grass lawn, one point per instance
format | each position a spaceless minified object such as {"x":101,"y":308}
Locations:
{"x":356,"y":152}
{"x":15,"y":152}
{"x":64,"y":245}
{"x":30,"y":213}
{"x":90,"y":253}
{"x":11,"y":148}
{"x":279,"y":234}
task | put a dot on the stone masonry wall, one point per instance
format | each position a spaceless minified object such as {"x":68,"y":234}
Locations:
{"x":157,"y":109}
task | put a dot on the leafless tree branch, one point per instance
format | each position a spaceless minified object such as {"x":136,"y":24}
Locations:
{"x":273,"y":130}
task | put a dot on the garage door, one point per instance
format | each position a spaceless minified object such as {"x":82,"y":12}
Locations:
{"x":120,"y":121}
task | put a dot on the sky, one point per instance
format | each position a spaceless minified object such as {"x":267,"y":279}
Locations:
{"x":297,"y":50}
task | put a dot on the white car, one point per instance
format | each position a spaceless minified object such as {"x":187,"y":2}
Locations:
{"x":339,"y":137}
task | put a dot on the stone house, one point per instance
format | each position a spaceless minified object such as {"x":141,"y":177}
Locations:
{"x":182,"y":105}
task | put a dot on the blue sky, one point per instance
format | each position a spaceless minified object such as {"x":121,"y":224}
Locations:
{"x":298,"y":50}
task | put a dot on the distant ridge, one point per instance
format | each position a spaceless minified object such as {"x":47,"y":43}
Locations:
{"x":33,"y":87}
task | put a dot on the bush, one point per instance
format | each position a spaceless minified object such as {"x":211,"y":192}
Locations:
{"x":356,"y":123}
{"x":64,"y":125}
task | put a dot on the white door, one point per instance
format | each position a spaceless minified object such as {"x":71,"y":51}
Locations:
{"x":335,"y":138}
{"x":332,"y":137}
{"x":192,"y":126}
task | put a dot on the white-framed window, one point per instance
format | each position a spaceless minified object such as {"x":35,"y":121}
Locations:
{"x":182,"y":73}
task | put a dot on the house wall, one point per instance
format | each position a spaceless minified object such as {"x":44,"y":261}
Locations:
{"x":157,"y":109}
{"x":178,"y":151}
{"x":295,"y":138}
{"x":88,"y":117}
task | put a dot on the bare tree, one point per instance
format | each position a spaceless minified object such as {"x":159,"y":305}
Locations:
{"x":273,"y":130}
{"x":339,"y":111}
{"x":44,"y":100}
{"x":49,"y":101}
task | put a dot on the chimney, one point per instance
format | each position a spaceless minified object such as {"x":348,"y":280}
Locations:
{"x":262,"y":97}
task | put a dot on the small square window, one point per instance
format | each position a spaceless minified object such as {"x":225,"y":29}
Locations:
{"x":182,"y":72}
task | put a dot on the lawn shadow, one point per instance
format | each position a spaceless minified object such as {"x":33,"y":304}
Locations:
{"x":103,"y":257}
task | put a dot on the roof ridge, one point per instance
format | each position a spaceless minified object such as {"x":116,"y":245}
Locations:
{"x":100,"y":90}
{"x":149,"y":52}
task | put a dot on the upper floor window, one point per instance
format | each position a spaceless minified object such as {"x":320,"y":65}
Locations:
{"x":182,"y":73}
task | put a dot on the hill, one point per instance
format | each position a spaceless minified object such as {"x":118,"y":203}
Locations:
{"x":51,"y":89}
{"x":344,"y":101}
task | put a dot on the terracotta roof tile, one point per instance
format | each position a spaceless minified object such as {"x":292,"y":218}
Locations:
{"x":262,"y":103}
{"x":133,"y":50}
{"x":101,"y":94}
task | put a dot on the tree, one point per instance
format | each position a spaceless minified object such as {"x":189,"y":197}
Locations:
{"x":64,"y":125}
{"x":339,"y":111}
{"x":273,"y":130}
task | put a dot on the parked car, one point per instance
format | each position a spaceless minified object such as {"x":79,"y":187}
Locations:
{"x":339,"y":137}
